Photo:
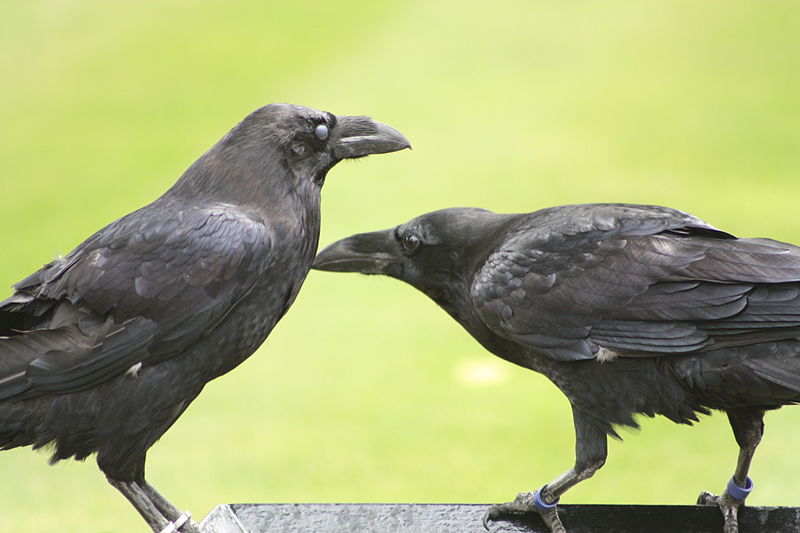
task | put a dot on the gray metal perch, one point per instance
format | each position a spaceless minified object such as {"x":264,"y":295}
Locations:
{"x":462,"y":518}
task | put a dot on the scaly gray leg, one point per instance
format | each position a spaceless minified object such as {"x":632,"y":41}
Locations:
{"x":748,"y":428}
{"x":591,"y":450}
{"x":141,"y":503}
{"x":182,"y":520}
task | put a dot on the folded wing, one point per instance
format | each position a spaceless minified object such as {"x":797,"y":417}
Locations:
{"x":140,"y":291}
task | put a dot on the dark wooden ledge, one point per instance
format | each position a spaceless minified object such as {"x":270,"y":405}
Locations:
{"x":462,"y":518}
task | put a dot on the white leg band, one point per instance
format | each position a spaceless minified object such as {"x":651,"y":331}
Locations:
{"x":173,"y":527}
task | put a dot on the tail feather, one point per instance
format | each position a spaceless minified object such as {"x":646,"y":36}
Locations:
{"x":63,"y":328}
{"x":765,"y":374}
{"x":781,"y":371}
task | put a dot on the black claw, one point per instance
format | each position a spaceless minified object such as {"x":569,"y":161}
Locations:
{"x":522,"y":505}
{"x":728,"y":505}
{"x":706,"y":498}
{"x":487,"y":519}
{"x":495,"y":512}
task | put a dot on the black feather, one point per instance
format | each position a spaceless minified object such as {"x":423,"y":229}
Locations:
{"x":630,"y":310}
{"x":102,"y":350}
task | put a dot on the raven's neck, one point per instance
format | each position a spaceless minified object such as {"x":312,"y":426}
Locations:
{"x":250,"y":179}
{"x":458,"y":304}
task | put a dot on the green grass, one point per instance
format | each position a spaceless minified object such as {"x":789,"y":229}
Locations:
{"x":360,"y":394}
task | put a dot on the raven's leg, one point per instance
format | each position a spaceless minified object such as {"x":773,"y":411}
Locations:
{"x":748,"y":427}
{"x":141,"y":503}
{"x":182,"y":520}
{"x":591,"y":450}
{"x":154,"y":508}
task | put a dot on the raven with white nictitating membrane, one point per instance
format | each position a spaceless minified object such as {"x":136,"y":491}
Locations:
{"x":102,"y":350}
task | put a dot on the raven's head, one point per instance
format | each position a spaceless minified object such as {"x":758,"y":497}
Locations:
{"x":283,"y":145}
{"x":435,"y":252}
{"x":311,"y":142}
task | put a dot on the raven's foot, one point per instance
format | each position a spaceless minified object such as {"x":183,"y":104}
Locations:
{"x":524,"y":503}
{"x":729,"y":503}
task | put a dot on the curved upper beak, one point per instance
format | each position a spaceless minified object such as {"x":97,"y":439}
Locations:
{"x":369,"y":253}
{"x":362,"y":136}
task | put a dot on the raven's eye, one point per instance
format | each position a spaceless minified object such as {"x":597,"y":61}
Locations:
{"x":411,"y":242}
{"x":321,"y":132}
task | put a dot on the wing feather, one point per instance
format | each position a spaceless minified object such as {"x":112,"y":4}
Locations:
{"x":672,"y":287}
{"x":143,"y":289}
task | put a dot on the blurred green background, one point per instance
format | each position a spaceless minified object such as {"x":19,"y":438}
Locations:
{"x":366,"y":392}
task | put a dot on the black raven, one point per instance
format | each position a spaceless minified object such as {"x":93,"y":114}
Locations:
{"x":627,"y":309}
{"x":102,"y":350}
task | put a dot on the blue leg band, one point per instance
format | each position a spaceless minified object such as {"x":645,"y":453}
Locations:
{"x":738,"y":492}
{"x":540,"y":503}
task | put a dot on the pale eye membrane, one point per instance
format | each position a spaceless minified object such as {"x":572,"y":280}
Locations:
{"x":322,"y":132}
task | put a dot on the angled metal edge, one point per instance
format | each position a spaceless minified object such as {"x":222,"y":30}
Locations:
{"x":222,"y":519}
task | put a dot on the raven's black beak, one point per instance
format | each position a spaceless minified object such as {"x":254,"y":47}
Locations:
{"x":369,"y":253}
{"x":360,"y":136}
